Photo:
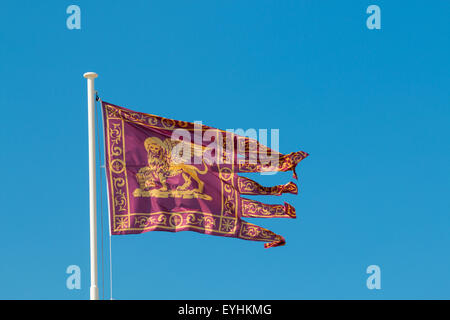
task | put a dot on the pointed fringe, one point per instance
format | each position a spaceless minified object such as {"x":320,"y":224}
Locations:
{"x":249,"y":231}
{"x":291,"y":160}
{"x":277,"y":243}
{"x":284,"y":163}
{"x":290,"y":210}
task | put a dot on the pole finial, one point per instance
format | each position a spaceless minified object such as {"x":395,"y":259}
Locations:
{"x":90,"y":75}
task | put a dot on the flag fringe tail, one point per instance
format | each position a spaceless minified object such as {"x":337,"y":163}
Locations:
{"x":249,"y":231}
{"x":282,"y":163}
{"x":256,"y":209}
{"x":250,"y":187}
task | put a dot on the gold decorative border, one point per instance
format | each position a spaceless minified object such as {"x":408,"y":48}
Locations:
{"x":118,"y":179}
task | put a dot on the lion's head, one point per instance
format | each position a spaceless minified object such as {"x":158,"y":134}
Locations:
{"x":156,"y":150}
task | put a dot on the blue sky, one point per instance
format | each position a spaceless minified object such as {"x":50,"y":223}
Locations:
{"x":370,"y":106}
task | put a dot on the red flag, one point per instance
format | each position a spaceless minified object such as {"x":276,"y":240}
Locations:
{"x":170,"y":175}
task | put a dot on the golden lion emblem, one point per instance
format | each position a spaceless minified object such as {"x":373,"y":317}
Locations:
{"x":165,"y":160}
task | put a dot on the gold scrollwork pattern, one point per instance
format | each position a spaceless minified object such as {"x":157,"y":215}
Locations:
{"x":120,"y":199}
{"x":248,"y":186}
{"x":256,"y":209}
{"x":252,"y":231}
{"x":153,"y":220}
{"x":229,"y":198}
{"x":117,"y":168}
{"x":115,"y":134}
{"x":202,"y":220}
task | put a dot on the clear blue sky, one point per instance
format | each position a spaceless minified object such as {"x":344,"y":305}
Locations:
{"x":370,"y":106}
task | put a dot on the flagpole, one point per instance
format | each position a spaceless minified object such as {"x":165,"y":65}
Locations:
{"x":90,"y":76}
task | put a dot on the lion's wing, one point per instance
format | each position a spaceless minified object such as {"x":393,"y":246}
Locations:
{"x":177,"y":150}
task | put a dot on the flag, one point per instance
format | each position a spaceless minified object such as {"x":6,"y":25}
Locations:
{"x":170,"y":175}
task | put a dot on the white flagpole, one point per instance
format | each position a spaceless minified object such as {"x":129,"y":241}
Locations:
{"x":90,"y":76}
